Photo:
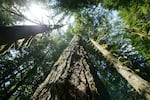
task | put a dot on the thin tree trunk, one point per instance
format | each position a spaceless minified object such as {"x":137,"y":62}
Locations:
{"x":26,"y":75}
{"x":139,"y":84}
{"x":71,"y":78}
{"x":19,"y":83}
{"x":10,"y":34}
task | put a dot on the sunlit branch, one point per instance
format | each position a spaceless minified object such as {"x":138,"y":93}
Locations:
{"x":18,"y":14}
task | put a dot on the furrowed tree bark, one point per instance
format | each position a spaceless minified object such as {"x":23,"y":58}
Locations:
{"x":139,"y":84}
{"x":10,"y":34}
{"x":71,"y":78}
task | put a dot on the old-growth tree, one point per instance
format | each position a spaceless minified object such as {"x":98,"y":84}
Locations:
{"x":72,"y":77}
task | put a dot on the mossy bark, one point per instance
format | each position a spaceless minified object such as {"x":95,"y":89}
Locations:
{"x":140,"y":85}
{"x":72,"y":77}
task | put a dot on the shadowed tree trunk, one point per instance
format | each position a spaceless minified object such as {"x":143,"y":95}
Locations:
{"x":72,"y":78}
{"x":10,"y":34}
{"x":139,"y":84}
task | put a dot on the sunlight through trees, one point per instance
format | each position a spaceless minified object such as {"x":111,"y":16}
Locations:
{"x":107,"y":53}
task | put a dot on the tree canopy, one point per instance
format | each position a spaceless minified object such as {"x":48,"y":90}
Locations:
{"x":122,"y":27}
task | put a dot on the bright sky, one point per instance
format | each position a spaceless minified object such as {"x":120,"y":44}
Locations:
{"x":39,"y":14}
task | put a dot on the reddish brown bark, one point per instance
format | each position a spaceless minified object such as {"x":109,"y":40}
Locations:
{"x":72,"y":78}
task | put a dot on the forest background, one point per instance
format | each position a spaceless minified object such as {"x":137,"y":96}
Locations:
{"x":122,"y":27}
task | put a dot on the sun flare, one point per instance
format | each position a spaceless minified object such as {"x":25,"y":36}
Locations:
{"x":37,"y":13}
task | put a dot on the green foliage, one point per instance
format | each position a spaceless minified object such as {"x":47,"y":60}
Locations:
{"x":6,"y":18}
{"x":135,"y":14}
{"x":92,"y":20}
{"x":33,"y":62}
{"x":117,"y":87}
{"x":115,"y":4}
{"x":118,"y":41}
{"x":74,"y":5}
{"x":130,"y":43}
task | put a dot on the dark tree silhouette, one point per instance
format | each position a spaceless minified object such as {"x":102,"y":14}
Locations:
{"x":10,"y":34}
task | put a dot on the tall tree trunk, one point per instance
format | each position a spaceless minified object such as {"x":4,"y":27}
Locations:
{"x":71,"y":78}
{"x":139,"y":84}
{"x":10,"y":34}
